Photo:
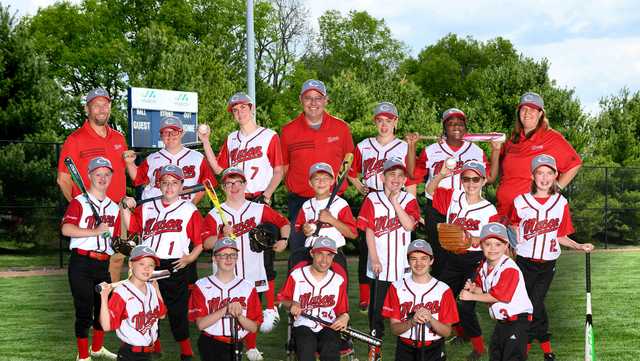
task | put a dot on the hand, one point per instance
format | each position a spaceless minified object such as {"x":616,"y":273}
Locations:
{"x":422,"y":315}
{"x":227,"y":230}
{"x":466,"y":295}
{"x":128,"y":203}
{"x":376,"y":266}
{"x":362,"y":189}
{"x":234,"y":309}
{"x":471,"y":287}
{"x":105,"y":289}
{"x":412,"y":138}
{"x":393,"y":197}
{"x":587,"y":247}
{"x":102,"y":228}
{"x":280,"y":245}
{"x":204,"y":137}
{"x":181,"y":263}
{"x":444,"y":171}
{"x":308,"y":229}
{"x":496,"y":146}
{"x":129,"y":156}
{"x":340,"y":323}
{"x":295,"y":310}
{"x":326,"y":217}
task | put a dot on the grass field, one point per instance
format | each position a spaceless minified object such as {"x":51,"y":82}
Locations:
{"x":37,"y":320}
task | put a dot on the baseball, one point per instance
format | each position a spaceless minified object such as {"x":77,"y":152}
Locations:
{"x":313,"y":227}
{"x":450,"y":163}
{"x":203,"y":129}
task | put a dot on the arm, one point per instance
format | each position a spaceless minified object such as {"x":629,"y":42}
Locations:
{"x":467,"y":295}
{"x":495,"y":162}
{"x":566,"y":177}
{"x":376,"y":266}
{"x":71,"y":230}
{"x":407,"y":221}
{"x":358,"y":185}
{"x":105,"y":319}
{"x":281,"y":244}
{"x":411,"y":139}
{"x":208,"y":152}
{"x":210,"y":319}
{"x":278,"y":174}
{"x":66,"y":184}
{"x":436,"y":179}
{"x":235,"y":310}
{"x":568,"y":242}
{"x":197,"y":198}
{"x":129,"y":161}
{"x":325,"y":216}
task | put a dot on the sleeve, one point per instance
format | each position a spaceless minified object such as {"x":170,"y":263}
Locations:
{"x":301,"y":219}
{"x":391,"y":307}
{"x":197,"y":304}
{"x":342,"y":305}
{"x":413,"y":209}
{"x":568,"y":157}
{"x":206,"y":173}
{"x":209,"y":227}
{"x":135,"y":222}
{"x":442,"y":199}
{"x":194,"y":228}
{"x":73,"y":214}
{"x":67,"y":151}
{"x":163,"y":308}
{"x":142,"y":175}
{"x":356,"y":166}
{"x":254,"y":307}
{"x":506,"y":286}
{"x":269,"y":215}
{"x":274,"y":153}
{"x":117,"y":310}
{"x":448,"y":312}
{"x":366,"y":217}
{"x":566,"y":225}
{"x":286,"y":292}
{"x":223,"y":155}
{"x":345,"y":216}
{"x":514,"y":217}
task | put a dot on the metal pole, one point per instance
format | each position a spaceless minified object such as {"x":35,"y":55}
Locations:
{"x":606,"y":206}
{"x":251,"y":57}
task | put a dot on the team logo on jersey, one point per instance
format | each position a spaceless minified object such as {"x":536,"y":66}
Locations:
{"x":533,"y":227}
{"x":143,"y":321}
{"x":105,"y":218}
{"x":308,"y":301}
{"x":468,"y":224}
{"x":332,"y":139}
{"x":408,"y":307}
{"x":217,"y":303}
{"x":117,"y":146}
{"x":384,"y":225}
{"x":153,"y":228}
{"x":245,"y":226}
{"x":238,"y":155}
{"x":371,"y":167}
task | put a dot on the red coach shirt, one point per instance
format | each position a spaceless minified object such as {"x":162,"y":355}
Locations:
{"x":85,"y":144}
{"x":302,"y":146}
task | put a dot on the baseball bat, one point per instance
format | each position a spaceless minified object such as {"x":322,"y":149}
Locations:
{"x":211,"y":193}
{"x":77,"y":180}
{"x":342,"y":175}
{"x":236,"y":355}
{"x":157,"y":275}
{"x":356,"y":334}
{"x":374,"y":352}
{"x":589,"y":339}
{"x":471,"y":137}
{"x":186,"y":191}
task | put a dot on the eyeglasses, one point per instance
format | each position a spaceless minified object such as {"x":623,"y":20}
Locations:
{"x":471,"y":179}
{"x":227,"y":256}
{"x":232,"y":183}
{"x":170,"y":183}
{"x":307,"y":99}
{"x":170,"y":133}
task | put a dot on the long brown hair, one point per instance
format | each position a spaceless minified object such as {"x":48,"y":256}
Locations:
{"x":543,"y":123}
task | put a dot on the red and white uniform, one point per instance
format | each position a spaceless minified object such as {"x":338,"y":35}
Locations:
{"x":406,"y":296}
{"x":79,"y":213}
{"x":369,"y":159}
{"x":432,"y":159}
{"x":168,"y":230}
{"x":134,"y":314}
{"x":540,"y":222}
{"x":326,"y":298}
{"x":339,"y":209}
{"x":210,"y":294}
{"x":250,"y":265}
{"x":392,"y":240}
{"x":194,"y":167}
{"x":257,"y":154}
{"x":471,"y":217}
{"x":506,"y":283}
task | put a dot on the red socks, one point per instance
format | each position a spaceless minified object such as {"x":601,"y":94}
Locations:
{"x":364,"y":293}
{"x":270,"y":295}
{"x":97,"y":340}
{"x":185,"y":347}
{"x":459,"y":330}
{"x":157,"y":347}
{"x":83,"y":347}
{"x":546,"y":346}
{"x":478,"y":344}
{"x":250,"y":340}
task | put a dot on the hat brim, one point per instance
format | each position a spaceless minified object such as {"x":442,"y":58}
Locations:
{"x":386,"y":114}
{"x":155,"y":258}
{"x":225,"y":247}
{"x":421,"y":251}
{"x":233,"y":104}
{"x":397,"y":166}
{"x":174,"y":175}
{"x":531,"y":105}
{"x":99,"y":96}
{"x":322,"y":171}
{"x":496,"y":236}
{"x":230,"y":174}
{"x":313,"y":88}
{"x":328,"y":249}
{"x":171,"y":126}
{"x":544,"y":165}
{"x":453,"y":115}
{"x":474,"y":171}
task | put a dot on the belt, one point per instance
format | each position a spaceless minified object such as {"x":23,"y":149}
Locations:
{"x":100,"y":256}
{"x":139,"y":349}
{"x":537,"y":260}
{"x":518,"y":317}
{"x":223,"y":339}
{"x":417,"y":344}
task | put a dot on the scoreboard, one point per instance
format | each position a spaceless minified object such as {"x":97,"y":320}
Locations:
{"x":146,"y":107}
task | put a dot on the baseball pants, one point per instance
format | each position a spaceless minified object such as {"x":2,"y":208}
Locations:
{"x":84,"y":274}
{"x":125,"y":354}
{"x":537,"y":279}
{"x":432,"y":217}
{"x":433,"y":352}
{"x":326,"y":342}
{"x":175,"y":293}
{"x":214,"y":350}
{"x":377,"y":296}
{"x":509,"y":340}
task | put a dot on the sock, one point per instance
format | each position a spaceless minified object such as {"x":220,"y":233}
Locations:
{"x":185,"y":347}
{"x":97,"y":340}
{"x":250,"y":340}
{"x":83,"y":347}
{"x":157,"y":347}
{"x":364,"y":293}
{"x":528,"y":347}
{"x":546,"y":346}
{"x":478,"y":344}
{"x":270,"y":295}
{"x":459,"y":330}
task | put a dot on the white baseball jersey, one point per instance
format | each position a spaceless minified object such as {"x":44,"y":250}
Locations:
{"x":79,"y":213}
{"x":540,"y":224}
{"x":194,"y":167}
{"x":471,"y":217}
{"x":339,"y":209}
{"x":406,"y":296}
{"x":506,"y":283}
{"x":168,"y":230}
{"x":391,"y":239}
{"x":325,"y":298}
{"x":257,"y":154}
{"x":369,"y":159}
{"x":250,"y":265}
{"x":134,"y":314}
{"x":432,"y":159}
{"x":210,"y":294}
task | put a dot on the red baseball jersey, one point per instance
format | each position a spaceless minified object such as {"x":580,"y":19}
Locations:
{"x":406,"y":296}
{"x":339,"y":209}
{"x":369,"y":158}
{"x":210,"y":294}
{"x":257,"y":154}
{"x":134,"y":314}
{"x":325,"y":298}
{"x":506,"y":283}
{"x":79,"y":213}
{"x":392,"y":240}
{"x":167,"y":229}
{"x":250,"y":265}
{"x":540,"y":222}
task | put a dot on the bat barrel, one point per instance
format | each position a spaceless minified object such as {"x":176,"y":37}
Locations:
{"x":588,"y":271}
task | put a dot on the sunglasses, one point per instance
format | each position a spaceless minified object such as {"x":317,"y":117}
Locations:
{"x":471,"y":179}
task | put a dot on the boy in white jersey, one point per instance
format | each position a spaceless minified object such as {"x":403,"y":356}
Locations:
{"x":217,"y":299}
{"x":543,"y":222}
{"x":500,"y":284}
{"x":420,"y":309}
{"x":90,"y":252}
{"x":318,"y":291}
{"x":135,"y":307}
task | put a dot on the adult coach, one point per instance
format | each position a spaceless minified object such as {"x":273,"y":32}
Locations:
{"x":313,"y":136}
{"x":530,"y":137}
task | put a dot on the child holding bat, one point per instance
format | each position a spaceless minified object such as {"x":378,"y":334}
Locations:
{"x":135,"y":307}
{"x":90,"y":253}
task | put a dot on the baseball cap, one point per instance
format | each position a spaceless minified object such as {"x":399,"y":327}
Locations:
{"x":233,"y":171}
{"x":97,"y":93}
{"x":476,"y":167}
{"x":543,"y":159}
{"x":420,"y":245}
{"x":225,"y":243}
{"x":321,"y":167}
{"x":393,"y":163}
{"x":99,"y":162}
{"x":453,"y":112}
{"x":172,"y":170}
{"x":494,"y":230}
{"x":140,"y":252}
{"x":324,"y":243}
{"x":531,"y":99}
{"x":171,"y":122}
{"x":238,"y":98}
{"x":313,"y":84}
{"x":385,"y":108}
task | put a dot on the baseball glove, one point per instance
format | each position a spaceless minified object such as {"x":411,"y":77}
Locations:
{"x":263,"y":237}
{"x":123,"y":246}
{"x":453,"y":238}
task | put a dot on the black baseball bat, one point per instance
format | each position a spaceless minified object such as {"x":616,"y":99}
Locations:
{"x":374,"y":354}
{"x":187,"y":190}
{"x":358,"y":335}
{"x":235,"y":350}
{"x":344,"y":169}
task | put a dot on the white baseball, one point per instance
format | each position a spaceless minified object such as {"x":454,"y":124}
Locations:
{"x":450,"y":163}
{"x":313,"y":227}
{"x":203,"y":129}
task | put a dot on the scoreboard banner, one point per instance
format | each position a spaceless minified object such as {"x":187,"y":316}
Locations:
{"x":146,"y":107}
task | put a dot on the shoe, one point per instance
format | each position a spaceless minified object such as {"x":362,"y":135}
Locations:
{"x":83,"y":359}
{"x":474,"y":356}
{"x":254,"y":355}
{"x":270,"y":317}
{"x":457,"y":340}
{"x":364,"y":307}
{"x":104,"y":353}
{"x":346,"y":347}
{"x":186,"y":357}
{"x":549,"y":356}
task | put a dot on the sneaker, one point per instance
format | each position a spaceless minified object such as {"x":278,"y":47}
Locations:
{"x":83,"y":359}
{"x":254,"y":355}
{"x":364,"y":307}
{"x":474,"y":356}
{"x":186,"y":357}
{"x":549,"y":356}
{"x":346,"y":347}
{"x":104,"y":353}
{"x":271,"y":317}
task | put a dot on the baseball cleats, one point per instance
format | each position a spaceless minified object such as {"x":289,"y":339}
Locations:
{"x":549,"y":356}
{"x":474,"y":356}
{"x":104,"y":354}
{"x":254,"y":355}
{"x":83,"y":359}
{"x":270,"y":317}
{"x":364,"y":307}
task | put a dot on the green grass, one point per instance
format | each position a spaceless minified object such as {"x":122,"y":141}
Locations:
{"x":37,"y":320}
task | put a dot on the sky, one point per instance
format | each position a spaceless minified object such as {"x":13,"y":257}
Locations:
{"x":593,"y":46}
